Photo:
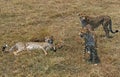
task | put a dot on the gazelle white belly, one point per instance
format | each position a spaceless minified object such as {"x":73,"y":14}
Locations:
{"x":33,"y":47}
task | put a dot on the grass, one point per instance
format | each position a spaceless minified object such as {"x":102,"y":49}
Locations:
{"x":24,"y":20}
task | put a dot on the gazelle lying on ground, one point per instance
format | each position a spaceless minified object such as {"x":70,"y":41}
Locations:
{"x":28,"y":46}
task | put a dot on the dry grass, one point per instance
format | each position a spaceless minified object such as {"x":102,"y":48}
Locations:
{"x":23,"y":20}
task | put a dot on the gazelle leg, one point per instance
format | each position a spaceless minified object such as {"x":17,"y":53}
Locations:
{"x":44,"y":51}
{"x":15,"y":53}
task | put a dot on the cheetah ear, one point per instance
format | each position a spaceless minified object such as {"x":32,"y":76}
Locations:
{"x":79,"y":14}
{"x":79,"y":33}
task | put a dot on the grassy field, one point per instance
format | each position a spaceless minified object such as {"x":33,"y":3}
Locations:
{"x":23,"y":20}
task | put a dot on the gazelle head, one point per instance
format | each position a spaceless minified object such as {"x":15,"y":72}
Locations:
{"x":83,"y":32}
{"x":4,"y":48}
{"x":50,"y":41}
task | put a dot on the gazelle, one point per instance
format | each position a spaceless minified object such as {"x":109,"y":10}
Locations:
{"x":28,"y":46}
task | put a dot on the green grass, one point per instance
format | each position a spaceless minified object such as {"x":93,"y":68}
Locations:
{"x":25,"y":20}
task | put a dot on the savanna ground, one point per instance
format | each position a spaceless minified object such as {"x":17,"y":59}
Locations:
{"x":22,"y":20}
